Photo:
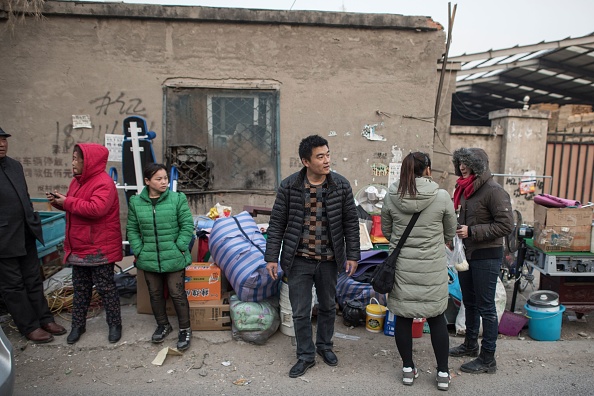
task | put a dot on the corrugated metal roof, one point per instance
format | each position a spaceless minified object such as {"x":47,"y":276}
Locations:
{"x":560,"y":72}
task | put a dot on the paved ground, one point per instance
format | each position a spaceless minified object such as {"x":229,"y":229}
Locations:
{"x":216,"y":364}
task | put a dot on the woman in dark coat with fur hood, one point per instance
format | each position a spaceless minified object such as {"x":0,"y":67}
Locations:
{"x":485,"y":217}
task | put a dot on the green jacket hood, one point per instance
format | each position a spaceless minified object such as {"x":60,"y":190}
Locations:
{"x":144,"y":195}
{"x":427,"y":191}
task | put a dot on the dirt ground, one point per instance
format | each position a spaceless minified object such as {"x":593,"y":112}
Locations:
{"x":216,"y":364}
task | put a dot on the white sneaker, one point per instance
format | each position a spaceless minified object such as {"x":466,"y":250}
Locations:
{"x":409,"y":374}
{"x":443,"y":380}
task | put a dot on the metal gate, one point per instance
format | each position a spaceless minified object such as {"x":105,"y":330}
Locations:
{"x":570,"y":161}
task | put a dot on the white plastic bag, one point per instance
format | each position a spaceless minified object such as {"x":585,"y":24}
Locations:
{"x":458,"y":258}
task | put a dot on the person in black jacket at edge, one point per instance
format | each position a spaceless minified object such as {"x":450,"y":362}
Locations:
{"x":21,"y":286}
{"x":315,"y":220}
{"x":485,"y":217}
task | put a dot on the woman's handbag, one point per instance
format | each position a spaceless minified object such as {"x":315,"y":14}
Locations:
{"x":383,"y":276}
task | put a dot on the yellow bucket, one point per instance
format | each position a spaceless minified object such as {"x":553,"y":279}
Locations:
{"x":374,"y":318}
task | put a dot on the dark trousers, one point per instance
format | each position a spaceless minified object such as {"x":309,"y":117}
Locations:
{"x":175,"y":282}
{"x":440,"y":340}
{"x":22,"y":289}
{"x":304,"y":274}
{"x":83,"y":279}
{"x":478,"y":286}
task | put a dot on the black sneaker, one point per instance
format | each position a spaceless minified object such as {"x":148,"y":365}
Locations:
{"x":160,"y":334}
{"x":184,"y":338}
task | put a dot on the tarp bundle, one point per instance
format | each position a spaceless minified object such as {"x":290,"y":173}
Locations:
{"x":551,"y":201}
{"x":237,"y":246}
{"x":349,"y":289}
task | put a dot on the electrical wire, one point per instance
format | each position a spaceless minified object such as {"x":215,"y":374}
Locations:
{"x":469,"y":109}
{"x":463,"y":115}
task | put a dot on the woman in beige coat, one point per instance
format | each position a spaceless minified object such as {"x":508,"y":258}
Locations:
{"x":421,"y":287}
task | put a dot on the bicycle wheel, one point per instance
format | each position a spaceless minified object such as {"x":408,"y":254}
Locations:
{"x":526,"y":277}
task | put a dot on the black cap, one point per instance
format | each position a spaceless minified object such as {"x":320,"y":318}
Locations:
{"x":4,"y":134}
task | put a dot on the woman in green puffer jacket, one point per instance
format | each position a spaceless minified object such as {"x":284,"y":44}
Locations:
{"x":160,"y":228}
{"x":421,"y":276}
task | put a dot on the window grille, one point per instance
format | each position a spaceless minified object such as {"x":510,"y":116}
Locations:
{"x":221,"y":139}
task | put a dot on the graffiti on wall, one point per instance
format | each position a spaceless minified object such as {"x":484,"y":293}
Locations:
{"x":378,"y":169}
{"x":44,"y":168}
{"x":108,"y":112}
{"x":53,"y":171}
{"x":107,"y":103}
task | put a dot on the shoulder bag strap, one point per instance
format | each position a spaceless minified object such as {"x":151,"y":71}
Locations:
{"x":407,"y":231}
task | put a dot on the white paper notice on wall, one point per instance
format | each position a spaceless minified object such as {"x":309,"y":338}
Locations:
{"x":394,"y":172}
{"x":81,"y":121}
{"x":114,"y":144}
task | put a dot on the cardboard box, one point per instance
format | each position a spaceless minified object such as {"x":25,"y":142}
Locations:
{"x":203,"y":282}
{"x":551,"y":224}
{"x":143,"y":302}
{"x":207,"y":291}
{"x":210,"y":315}
{"x":204,"y":315}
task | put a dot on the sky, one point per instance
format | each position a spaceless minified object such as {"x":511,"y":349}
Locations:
{"x":479,"y":25}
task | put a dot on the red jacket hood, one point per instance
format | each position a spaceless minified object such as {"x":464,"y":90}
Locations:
{"x":94,"y":160}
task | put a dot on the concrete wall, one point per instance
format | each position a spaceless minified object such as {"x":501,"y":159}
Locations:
{"x":523,"y":150}
{"x":337,"y":72}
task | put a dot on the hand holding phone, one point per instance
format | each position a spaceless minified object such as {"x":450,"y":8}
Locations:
{"x":52,"y":194}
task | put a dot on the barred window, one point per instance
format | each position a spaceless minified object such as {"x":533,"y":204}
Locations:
{"x":222,"y":139}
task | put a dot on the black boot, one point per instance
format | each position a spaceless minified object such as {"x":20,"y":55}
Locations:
{"x":470,"y":347}
{"x":115,"y":333}
{"x":75,"y":334}
{"x":484,"y":363}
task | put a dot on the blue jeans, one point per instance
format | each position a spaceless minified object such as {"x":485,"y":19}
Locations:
{"x":478,"y":286}
{"x":304,"y":274}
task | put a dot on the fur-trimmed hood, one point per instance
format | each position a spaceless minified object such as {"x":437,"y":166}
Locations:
{"x":474,"y":158}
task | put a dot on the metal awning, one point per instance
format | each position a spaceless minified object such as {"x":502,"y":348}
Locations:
{"x":560,"y":72}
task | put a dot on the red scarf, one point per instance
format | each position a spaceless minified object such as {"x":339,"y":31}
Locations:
{"x":463,"y":186}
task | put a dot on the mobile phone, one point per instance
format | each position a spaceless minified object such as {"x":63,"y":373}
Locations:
{"x":53,"y":195}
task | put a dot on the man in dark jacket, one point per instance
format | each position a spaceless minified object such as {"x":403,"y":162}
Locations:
{"x":485,"y":217}
{"x":20,"y":278}
{"x":315,"y":220}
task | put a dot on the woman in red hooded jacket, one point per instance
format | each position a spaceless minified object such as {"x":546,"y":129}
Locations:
{"x":93,"y":237}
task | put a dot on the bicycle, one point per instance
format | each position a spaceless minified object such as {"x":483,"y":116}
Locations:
{"x":508,"y":272}
{"x":510,"y":256}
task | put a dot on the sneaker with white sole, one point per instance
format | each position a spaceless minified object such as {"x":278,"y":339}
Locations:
{"x":160,"y":334}
{"x":443,"y":380}
{"x":409,"y":374}
{"x":184,"y":338}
